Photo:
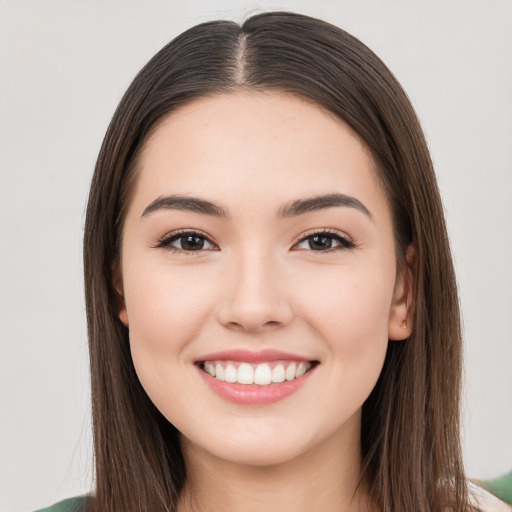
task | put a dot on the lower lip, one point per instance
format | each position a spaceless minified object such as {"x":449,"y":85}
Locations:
{"x":253,"y":394}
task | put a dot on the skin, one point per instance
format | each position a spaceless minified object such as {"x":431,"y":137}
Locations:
{"x":258,"y":284}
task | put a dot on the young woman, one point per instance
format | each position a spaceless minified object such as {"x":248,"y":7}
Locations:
{"x":272,"y":309}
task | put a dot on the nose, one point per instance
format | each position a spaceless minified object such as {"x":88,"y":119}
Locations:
{"x":254,"y":297}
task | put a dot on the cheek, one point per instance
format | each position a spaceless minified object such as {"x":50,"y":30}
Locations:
{"x":350,"y":311}
{"x":350,"y":317}
{"x":354,"y":293}
{"x":163,"y":304}
{"x":166,"y":310}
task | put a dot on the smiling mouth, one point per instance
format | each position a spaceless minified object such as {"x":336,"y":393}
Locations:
{"x":261,"y":374}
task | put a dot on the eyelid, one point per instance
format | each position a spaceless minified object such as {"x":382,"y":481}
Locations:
{"x":321,"y":231}
{"x":164,"y":241}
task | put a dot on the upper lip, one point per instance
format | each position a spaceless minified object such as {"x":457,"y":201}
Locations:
{"x":251,"y":356}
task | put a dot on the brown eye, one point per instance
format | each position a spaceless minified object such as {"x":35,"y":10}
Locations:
{"x":320,"y":242}
{"x":191,"y":243}
{"x":186,"y":242}
{"x":325,"y":241}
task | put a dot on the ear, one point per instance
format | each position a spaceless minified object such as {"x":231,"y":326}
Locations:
{"x":401,"y":315}
{"x":119,"y":301}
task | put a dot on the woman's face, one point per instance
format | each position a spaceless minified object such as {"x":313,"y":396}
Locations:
{"x":258,"y":244}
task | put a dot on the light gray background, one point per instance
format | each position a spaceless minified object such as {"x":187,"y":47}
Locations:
{"x":63,"y":67}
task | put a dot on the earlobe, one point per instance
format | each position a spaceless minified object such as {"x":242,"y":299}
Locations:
{"x":401,"y":316}
{"x":123,"y":316}
{"x":120,"y":303}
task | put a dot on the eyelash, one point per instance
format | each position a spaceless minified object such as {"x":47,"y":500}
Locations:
{"x":344,"y":241}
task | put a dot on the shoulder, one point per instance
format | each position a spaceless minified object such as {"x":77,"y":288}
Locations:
{"x":485,"y":501}
{"x":69,"y":505}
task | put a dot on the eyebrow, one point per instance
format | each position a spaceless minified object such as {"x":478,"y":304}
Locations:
{"x":313,"y":204}
{"x":291,"y":209}
{"x":190,"y":204}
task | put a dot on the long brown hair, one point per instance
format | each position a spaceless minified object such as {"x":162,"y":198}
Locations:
{"x":410,"y":423}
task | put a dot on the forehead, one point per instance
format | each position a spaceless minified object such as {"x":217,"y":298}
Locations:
{"x":247,"y":145}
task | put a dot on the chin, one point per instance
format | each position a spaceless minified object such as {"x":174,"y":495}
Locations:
{"x":249,"y":448}
{"x":256,"y":455}
{"x":261,"y":444}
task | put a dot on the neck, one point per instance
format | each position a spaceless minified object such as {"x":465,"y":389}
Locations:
{"x":324,"y":478}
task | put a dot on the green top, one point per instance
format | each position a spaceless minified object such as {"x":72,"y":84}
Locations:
{"x":69,"y":505}
{"x":500,"y":487}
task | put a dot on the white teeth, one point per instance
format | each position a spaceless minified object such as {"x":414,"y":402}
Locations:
{"x":230,"y":375}
{"x":290,"y":373}
{"x":210,"y":369}
{"x":261,"y":374}
{"x":245,"y":374}
{"x":301,"y":369}
{"x":219,"y":372}
{"x":278,"y":373}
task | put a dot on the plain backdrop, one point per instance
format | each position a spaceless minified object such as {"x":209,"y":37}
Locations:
{"x":64,"y":66}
